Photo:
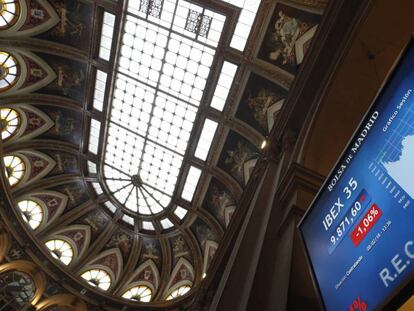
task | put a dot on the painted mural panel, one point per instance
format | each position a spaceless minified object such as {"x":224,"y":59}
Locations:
{"x":219,"y":202}
{"x":260,"y":104}
{"x":97,"y":220}
{"x":70,"y":77}
{"x":75,"y":191}
{"x":179,"y":249}
{"x":151,"y":249}
{"x":238,"y":157}
{"x":74,"y":27}
{"x":67,"y":124}
{"x":123,"y":241}
{"x":202,"y":232}
{"x":66,"y":163}
{"x":288,"y":37}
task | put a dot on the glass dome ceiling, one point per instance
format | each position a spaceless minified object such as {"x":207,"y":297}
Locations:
{"x":157,"y":104}
{"x":165,"y":55}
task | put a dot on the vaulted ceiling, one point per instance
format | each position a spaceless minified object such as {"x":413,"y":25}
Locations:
{"x":61,"y":67}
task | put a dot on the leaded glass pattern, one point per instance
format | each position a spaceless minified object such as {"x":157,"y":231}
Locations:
{"x":159,"y":84}
{"x":151,"y":7}
{"x":198,"y":23}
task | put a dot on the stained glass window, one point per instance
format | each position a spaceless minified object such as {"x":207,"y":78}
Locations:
{"x":98,"y":278}
{"x":9,"y":122}
{"x":139,"y":293}
{"x":8,"y":71}
{"x":167,"y":49}
{"x":182,"y":290}
{"x":32,"y":213}
{"x":9,"y":12}
{"x":60,"y":250}
{"x":15,"y":169}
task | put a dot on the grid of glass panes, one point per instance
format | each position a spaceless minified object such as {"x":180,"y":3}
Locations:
{"x":228,"y":71}
{"x":163,"y":69}
{"x":245,"y":22}
{"x":107,"y":36}
{"x":100,"y":87}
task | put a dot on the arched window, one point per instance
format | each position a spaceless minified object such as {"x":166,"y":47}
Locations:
{"x":17,"y":286}
{"x":32,"y":213}
{"x":60,"y":250}
{"x":9,"y":13}
{"x":15,"y":169}
{"x":140,"y":293}
{"x":9,"y":122}
{"x":8,"y":71}
{"x":98,"y":278}
{"x":182,"y":290}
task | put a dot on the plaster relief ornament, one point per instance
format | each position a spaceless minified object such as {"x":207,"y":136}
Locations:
{"x":236,"y":159}
{"x":151,"y":252}
{"x":260,"y":105}
{"x":220,"y":200}
{"x":179,"y":247}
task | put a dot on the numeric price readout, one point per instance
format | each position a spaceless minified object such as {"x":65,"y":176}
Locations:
{"x":353,"y":213}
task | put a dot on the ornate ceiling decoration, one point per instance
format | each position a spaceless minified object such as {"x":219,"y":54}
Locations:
{"x":125,"y":163}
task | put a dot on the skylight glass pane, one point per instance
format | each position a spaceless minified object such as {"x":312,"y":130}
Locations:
{"x":228,"y":71}
{"x":167,"y":49}
{"x":97,"y":188}
{"x":100,"y":87}
{"x":191,"y":183}
{"x":166,"y":223}
{"x":206,"y":138}
{"x":147,"y":225}
{"x":180,"y":212}
{"x":91,"y":167}
{"x":128,"y":219}
{"x":107,"y":34}
{"x":94,"y":133}
{"x":110,"y":206}
{"x":245,"y":22}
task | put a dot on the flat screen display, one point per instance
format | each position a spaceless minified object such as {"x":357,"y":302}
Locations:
{"x":359,"y":231}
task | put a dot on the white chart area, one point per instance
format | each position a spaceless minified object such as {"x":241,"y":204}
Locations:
{"x":402,"y":170}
